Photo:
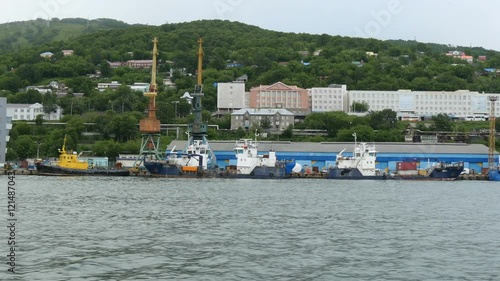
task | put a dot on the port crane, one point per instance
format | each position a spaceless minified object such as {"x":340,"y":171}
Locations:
{"x":150,"y":126}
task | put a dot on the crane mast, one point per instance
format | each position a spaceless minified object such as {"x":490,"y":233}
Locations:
{"x":150,"y":126}
{"x":198,"y":129}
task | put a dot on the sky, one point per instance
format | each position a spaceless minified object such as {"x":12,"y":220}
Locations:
{"x":453,"y":22}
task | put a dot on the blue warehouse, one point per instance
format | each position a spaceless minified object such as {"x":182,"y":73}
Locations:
{"x":323,"y":155}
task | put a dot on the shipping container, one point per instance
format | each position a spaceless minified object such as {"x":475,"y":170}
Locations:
{"x":406,"y":166}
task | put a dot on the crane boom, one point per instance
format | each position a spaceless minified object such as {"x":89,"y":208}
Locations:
{"x":151,"y":124}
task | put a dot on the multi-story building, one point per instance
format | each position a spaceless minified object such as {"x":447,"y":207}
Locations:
{"x":279,"y":95}
{"x":231,"y":96}
{"x":103,"y":86}
{"x":31,"y":111}
{"x":140,"y":63}
{"x":5,"y":127}
{"x":333,"y":98}
{"x":247,"y":118}
{"x":459,"y":104}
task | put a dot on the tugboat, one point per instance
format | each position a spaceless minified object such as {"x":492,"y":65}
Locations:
{"x":70,"y":165}
{"x":249,"y":164}
{"x":360,"y":166}
{"x":197,"y":159}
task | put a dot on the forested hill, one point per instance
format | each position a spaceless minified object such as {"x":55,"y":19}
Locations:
{"x":25,"y":34}
{"x":265,"y":56}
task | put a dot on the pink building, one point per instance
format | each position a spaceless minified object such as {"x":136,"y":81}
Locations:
{"x":279,"y":95}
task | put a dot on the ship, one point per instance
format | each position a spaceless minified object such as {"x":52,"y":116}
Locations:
{"x":249,"y":164}
{"x":69,"y":165}
{"x":361,"y":165}
{"x":438,"y":171}
{"x":197,"y":159}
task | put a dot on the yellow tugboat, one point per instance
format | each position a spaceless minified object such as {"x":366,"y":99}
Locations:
{"x":69,"y":164}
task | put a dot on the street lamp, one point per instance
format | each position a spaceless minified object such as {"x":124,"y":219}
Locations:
{"x":71,"y":110}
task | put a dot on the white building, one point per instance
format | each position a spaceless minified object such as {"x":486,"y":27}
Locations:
{"x":459,"y":104}
{"x":103,"y":86}
{"x":333,"y":98}
{"x":31,"y":111}
{"x":141,"y":87}
{"x":231,"y":96}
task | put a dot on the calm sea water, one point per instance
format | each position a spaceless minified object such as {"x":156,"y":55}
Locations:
{"x":179,"y":229}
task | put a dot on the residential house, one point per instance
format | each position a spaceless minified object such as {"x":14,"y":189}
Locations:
{"x":47,"y":55}
{"x":248,"y":118}
{"x":67,"y":53}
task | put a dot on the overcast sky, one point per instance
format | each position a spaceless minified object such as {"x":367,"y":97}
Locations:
{"x":455,"y":22}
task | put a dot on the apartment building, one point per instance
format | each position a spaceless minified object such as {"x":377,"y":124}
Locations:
{"x":333,"y":98}
{"x":459,"y":104}
{"x":231,"y":96}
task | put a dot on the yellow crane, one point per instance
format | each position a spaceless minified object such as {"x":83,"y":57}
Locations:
{"x":150,"y":126}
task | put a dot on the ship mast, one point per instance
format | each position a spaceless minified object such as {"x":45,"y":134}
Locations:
{"x":150,"y":126}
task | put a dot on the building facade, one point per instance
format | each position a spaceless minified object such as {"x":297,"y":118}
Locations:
{"x":333,"y":98}
{"x":31,"y":111}
{"x":231,"y":96}
{"x":460,"y":104}
{"x":5,"y":127}
{"x":247,"y":118}
{"x":279,"y":95}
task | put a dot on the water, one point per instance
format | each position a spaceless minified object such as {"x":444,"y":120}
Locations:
{"x":174,"y":229}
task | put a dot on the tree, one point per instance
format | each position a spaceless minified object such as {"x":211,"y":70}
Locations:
{"x":288,"y":132}
{"x":105,"y":69}
{"x":265,"y":123}
{"x":442,"y":122}
{"x":359,"y":106}
{"x":383,"y":120}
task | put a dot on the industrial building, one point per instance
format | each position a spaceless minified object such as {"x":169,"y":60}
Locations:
{"x":322,"y":155}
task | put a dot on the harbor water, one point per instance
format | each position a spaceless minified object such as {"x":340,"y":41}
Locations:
{"x":133,"y":228}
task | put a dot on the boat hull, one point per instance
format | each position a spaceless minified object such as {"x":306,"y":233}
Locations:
{"x":166,"y":170}
{"x":437,"y":174}
{"x":351,"y":174}
{"x":494,"y":175}
{"x":46,"y":170}
{"x":257,"y":173}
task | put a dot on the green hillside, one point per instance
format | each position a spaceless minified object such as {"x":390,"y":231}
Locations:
{"x":231,"y":50}
{"x":25,"y":34}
